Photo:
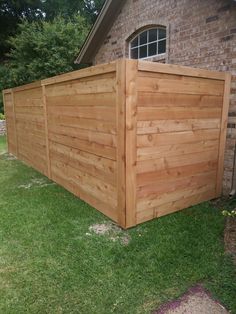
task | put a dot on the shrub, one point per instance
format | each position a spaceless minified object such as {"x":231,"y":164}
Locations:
{"x":43,"y":49}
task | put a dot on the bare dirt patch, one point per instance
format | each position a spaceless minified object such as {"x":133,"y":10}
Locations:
{"x":37,"y":182}
{"x":230,"y":237}
{"x":111,"y":231}
{"x":195,"y":301}
{"x":7,"y":156}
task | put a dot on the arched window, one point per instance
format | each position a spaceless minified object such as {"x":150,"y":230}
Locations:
{"x":148,"y":43}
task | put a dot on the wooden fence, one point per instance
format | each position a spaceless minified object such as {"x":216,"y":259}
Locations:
{"x":135,"y":139}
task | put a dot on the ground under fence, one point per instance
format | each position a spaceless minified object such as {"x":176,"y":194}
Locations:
{"x":134,"y":139}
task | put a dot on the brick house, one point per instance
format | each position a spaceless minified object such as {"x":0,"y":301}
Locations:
{"x":196,"y":33}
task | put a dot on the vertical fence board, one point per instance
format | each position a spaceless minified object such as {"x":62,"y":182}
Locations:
{"x":120,"y":122}
{"x":223,"y":130}
{"x":46,"y":132}
{"x":136,"y":140}
{"x":131,"y":140}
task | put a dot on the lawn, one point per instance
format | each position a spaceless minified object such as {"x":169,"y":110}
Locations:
{"x":51,"y":262}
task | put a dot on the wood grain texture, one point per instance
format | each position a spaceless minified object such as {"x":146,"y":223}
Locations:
{"x":222,"y":138}
{"x":120,"y":126}
{"x":131,"y":141}
{"x":136,"y":140}
{"x":181,"y":124}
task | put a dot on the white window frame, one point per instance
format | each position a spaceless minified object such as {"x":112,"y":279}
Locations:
{"x":146,"y":44}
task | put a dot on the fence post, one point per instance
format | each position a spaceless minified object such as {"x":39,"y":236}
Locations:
{"x":120,"y":129}
{"x":131,"y":141}
{"x":14,"y":118}
{"x":223,"y":129}
{"x":46,"y":131}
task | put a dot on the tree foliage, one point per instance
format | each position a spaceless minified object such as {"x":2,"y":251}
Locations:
{"x":13,"y":11}
{"x":41,"y":38}
{"x":43,"y":49}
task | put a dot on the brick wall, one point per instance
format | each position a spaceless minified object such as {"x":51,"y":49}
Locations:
{"x":2,"y":127}
{"x":201,"y":33}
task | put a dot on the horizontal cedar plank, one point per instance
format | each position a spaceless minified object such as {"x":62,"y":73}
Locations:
{"x":168,"y":162}
{"x":94,"y":186}
{"x":164,"y":198}
{"x":98,"y":99}
{"x":147,"y":99}
{"x":32,"y":110}
{"x":102,"y":113}
{"x":27,"y":102}
{"x":150,"y":140}
{"x":157,"y":177}
{"x":85,"y":166}
{"x":32,"y":153}
{"x":182,"y":85}
{"x":87,"y":135}
{"x":150,"y":191}
{"x":165,"y":113}
{"x":85,"y":195}
{"x":27,"y":87}
{"x":184,"y":202}
{"x":31,"y":163}
{"x":30,"y":117}
{"x":28,"y":126}
{"x":175,"y":76}
{"x":7,"y":97}
{"x":87,"y":146}
{"x":103,"y":164}
{"x":154,"y":67}
{"x":34,"y":160}
{"x":9,"y":104}
{"x":32,"y":93}
{"x":31,"y":138}
{"x":106,"y":85}
{"x":32,"y":133}
{"x":9,"y":113}
{"x":82,"y":123}
{"x":163,"y":126}
{"x":11,"y":147}
{"x":82,"y":73}
{"x":145,"y":153}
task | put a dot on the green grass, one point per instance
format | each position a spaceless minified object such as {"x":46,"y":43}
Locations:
{"x":48,"y":264}
{"x":2,"y":144}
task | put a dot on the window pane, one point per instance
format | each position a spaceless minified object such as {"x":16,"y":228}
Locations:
{"x":161,"y":33}
{"x":143,"y":38}
{"x":162,"y":46}
{"x":152,"y":34}
{"x":152,"y":49}
{"x":134,"y":42}
{"x":134,"y":53}
{"x":143,"y":52}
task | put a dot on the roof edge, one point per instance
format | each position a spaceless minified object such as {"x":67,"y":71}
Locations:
{"x":99,"y":30}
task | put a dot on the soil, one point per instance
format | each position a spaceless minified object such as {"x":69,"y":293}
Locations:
{"x":196,"y":300}
{"x":230,"y":237}
{"x":111,"y":231}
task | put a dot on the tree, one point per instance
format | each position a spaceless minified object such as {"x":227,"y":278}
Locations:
{"x":11,"y":13}
{"x":89,"y":9}
{"x":43,"y":49}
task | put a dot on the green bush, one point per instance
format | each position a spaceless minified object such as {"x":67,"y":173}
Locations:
{"x":43,"y":49}
{"x":5,"y":82}
{"x":2,"y":116}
